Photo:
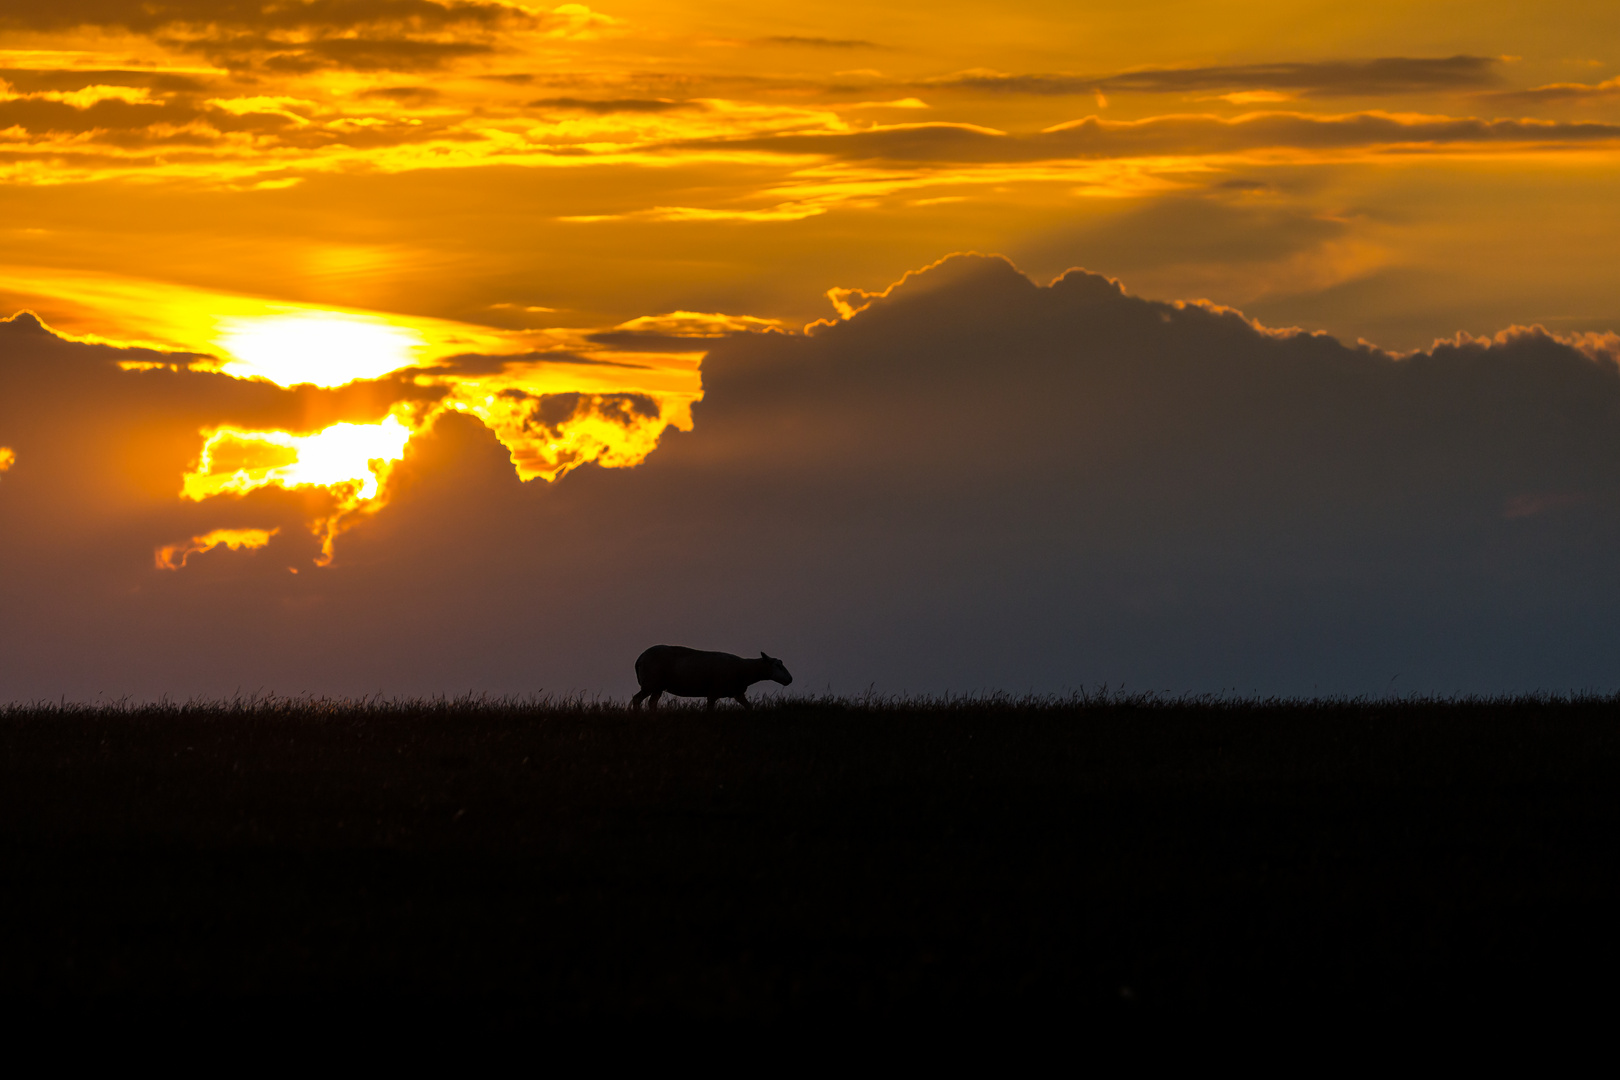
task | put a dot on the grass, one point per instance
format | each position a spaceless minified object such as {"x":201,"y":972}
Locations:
{"x":814,"y":857}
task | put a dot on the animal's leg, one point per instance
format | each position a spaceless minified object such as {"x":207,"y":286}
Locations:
{"x":653,"y":703}
{"x":635,"y":702}
{"x":711,"y":703}
{"x":742,"y":699}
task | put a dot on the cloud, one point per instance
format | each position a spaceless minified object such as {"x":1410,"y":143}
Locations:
{"x":225,"y":440}
{"x":1559,"y":94}
{"x":174,"y":556}
{"x":481,"y":364}
{"x":1323,"y":78}
{"x":405,"y":95}
{"x":28,"y":80}
{"x":276,"y":115}
{"x":899,"y":103}
{"x":301,"y":37}
{"x":1239,"y":248}
{"x":802,"y":42}
{"x":1093,"y":137}
{"x":971,"y":481}
{"x":316,"y":16}
{"x":354,"y":54}
{"x":605,"y":106}
{"x":681,"y":331}
{"x":88,"y":114}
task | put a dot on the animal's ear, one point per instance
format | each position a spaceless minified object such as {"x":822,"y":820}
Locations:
{"x":762,"y":655}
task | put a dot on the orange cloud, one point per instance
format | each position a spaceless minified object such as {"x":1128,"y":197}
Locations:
{"x":1179,"y":135}
{"x":299,"y":38}
{"x":174,"y":556}
{"x":575,"y":402}
{"x":1560,"y":93}
{"x":1324,"y":78}
{"x":351,"y":461}
{"x":552,"y":415}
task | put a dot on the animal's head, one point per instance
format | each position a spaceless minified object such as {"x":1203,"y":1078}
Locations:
{"x":778,"y":671}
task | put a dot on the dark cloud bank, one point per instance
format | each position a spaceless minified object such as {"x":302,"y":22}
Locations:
{"x":974,"y":483}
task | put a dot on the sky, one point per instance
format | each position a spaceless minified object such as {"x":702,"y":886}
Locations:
{"x":417,"y":347}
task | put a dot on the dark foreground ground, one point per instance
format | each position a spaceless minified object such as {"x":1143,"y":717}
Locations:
{"x":815,"y":858}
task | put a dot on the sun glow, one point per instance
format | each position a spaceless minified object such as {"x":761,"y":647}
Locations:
{"x":322,"y":348}
{"x":350,"y":460}
{"x":553,"y":417}
{"x":248,"y":336}
{"x":8,"y":458}
{"x":174,"y":556}
{"x":554,"y":398}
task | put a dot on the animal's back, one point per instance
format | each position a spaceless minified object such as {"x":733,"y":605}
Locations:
{"x":676,"y":669}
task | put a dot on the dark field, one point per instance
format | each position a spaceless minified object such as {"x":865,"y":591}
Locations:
{"x":814,"y":858}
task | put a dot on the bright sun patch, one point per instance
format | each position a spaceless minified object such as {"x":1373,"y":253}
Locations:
{"x":349,"y":460}
{"x":318,"y":348}
{"x":555,"y":398}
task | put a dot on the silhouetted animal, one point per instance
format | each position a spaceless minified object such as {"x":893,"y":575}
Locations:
{"x":675,"y":669}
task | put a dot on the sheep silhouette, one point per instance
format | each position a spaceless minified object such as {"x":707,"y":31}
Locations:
{"x":683,"y":672}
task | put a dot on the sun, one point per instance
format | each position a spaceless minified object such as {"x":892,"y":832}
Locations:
{"x":315,"y":347}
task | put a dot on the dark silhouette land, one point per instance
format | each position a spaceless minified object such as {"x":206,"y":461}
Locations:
{"x":813,"y":857}
{"x":683,"y":672}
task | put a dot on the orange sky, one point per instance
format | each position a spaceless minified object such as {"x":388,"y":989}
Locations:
{"x":1393,"y":171}
{"x":544,"y":219}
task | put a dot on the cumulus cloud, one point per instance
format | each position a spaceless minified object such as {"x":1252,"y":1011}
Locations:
{"x":967,"y":480}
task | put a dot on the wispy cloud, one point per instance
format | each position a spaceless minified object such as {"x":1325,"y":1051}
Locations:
{"x":299,"y":38}
{"x":806,"y":42}
{"x":605,"y":106}
{"x":1325,"y":78}
{"x":1093,"y":137}
{"x":1559,"y":93}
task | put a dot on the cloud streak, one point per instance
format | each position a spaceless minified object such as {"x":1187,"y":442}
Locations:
{"x":804,"y":42}
{"x":606,"y":106}
{"x":1560,"y":94}
{"x":1325,"y":78}
{"x":317,"y":35}
{"x":1184,"y":135}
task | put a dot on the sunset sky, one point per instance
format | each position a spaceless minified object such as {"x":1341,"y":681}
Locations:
{"x":421,"y":347}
